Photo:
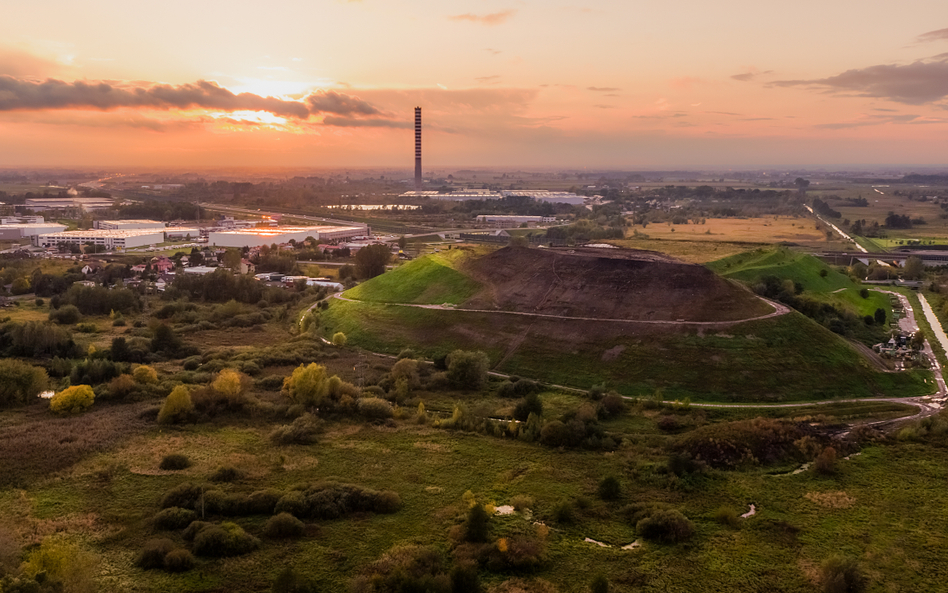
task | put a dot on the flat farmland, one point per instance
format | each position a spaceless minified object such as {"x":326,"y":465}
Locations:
{"x":880,"y":204}
{"x":770,"y":229}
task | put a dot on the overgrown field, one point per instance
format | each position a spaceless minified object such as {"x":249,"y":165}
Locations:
{"x":882,"y":507}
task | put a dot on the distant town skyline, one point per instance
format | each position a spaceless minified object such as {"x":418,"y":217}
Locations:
{"x":333,"y":83}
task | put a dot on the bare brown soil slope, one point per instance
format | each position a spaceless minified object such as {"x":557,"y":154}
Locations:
{"x":607,"y":284}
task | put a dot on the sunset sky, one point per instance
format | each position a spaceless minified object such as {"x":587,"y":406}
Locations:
{"x":686,"y":83}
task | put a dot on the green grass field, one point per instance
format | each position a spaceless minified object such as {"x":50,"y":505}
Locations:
{"x":430,"y":280}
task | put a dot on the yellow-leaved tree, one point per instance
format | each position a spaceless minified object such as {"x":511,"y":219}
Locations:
{"x":178,"y":406}
{"x":72,"y":400}
{"x":310,"y":385}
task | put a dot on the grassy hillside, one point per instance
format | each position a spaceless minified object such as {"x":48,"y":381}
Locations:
{"x":751,"y":266}
{"x":818,"y":280}
{"x":788,"y":358}
{"x":432,"y":280}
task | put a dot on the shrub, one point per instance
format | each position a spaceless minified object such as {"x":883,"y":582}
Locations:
{"x":226,"y":473}
{"x":407,"y":353}
{"x":467,"y":370}
{"x":263,"y":502}
{"x":531,"y":404}
{"x":726,"y":516}
{"x":95,"y":370}
{"x":177,"y":407}
{"x":224,"y":540}
{"x":145,"y":374}
{"x":564,"y":513}
{"x":555,"y":434}
{"x":293,"y":503}
{"x":87,"y":328}
{"x":339,"y":340}
{"x":825,"y":462}
{"x":174,"y":518}
{"x":66,"y":315}
{"x":193,"y":529}
{"x":613,"y":404}
{"x":609,"y":488}
{"x":374,"y":407}
{"x":179,"y":560}
{"x":521,"y":502}
{"x":121,"y":386}
{"x":185,"y":495}
{"x":842,"y":574}
{"x":20,"y":382}
{"x":174,"y":461}
{"x":666,"y":526}
{"x":302,"y":431}
{"x":283,"y":526}
{"x":61,"y":566}
{"x":40,"y":302}
{"x":72,"y":400}
{"x":192,"y":363}
{"x":153,"y":554}
{"x":599,"y":584}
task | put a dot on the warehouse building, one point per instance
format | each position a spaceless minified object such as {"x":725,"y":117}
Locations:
{"x":122,"y":225}
{"x":508,"y":221}
{"x":15,"y":231}
{"x":87,"y":204}
{"x":258,"y":237}
{"x":110,"y":239}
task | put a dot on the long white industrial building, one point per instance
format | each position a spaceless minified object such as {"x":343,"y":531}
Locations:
{"x":121,"y":225}
{"x":258,"y":237}
{"x":14,"y":231}
{"x":110,"y":239}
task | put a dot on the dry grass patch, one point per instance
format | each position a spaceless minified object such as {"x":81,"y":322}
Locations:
{"x":831,"y":500}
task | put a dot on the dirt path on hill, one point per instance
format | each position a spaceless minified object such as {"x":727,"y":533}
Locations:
{"x":779,"y":309}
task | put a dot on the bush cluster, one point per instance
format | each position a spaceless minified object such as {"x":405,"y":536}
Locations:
{"x":174,"y":518}
{"x":659,"y":523}
{"x":757,"y":441}
{"x":283,"y":526}
{"x":174,"y":461}
{"x":302,"y":431}
{"x":221,"y":541}
{"x":331,"y":500}
{"x":163,"y":554}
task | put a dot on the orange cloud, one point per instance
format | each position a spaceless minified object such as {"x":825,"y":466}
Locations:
{"x":494,"y":18}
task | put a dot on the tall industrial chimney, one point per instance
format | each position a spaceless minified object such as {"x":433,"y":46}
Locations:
{"x":418,"y":148}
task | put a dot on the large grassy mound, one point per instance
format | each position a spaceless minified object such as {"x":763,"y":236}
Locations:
{"x":788,"y":358}
{"x":431,"y":280}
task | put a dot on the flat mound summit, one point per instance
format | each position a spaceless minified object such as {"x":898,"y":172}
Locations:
{"x":606,"y":284}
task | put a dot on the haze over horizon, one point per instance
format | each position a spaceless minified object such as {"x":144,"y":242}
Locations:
{"x":332,"y":83}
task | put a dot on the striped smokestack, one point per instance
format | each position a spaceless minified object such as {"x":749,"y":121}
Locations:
{"x":417,"y":147}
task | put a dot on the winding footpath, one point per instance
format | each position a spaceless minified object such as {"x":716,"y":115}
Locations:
{"x":779,"y":309}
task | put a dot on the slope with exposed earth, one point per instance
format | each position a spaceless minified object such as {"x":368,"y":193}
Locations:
{"x":607,"y":284}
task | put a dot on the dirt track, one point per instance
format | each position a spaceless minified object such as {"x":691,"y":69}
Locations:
{"x":779,"y":309}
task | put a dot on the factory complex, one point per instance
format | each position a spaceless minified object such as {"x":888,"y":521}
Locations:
{"x":258,"y":237}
